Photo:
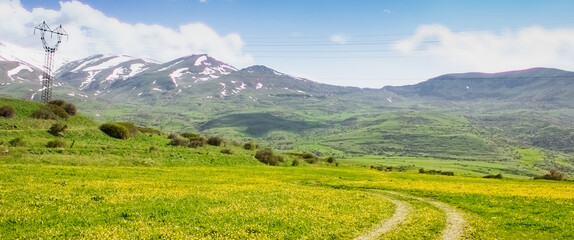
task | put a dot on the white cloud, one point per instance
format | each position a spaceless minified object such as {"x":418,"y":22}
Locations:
{"x":92,"y":32}
{"x":387,"y":11}
{"x":339,"y":38}
{"x":202,"y":1}
{"x":492,"y":52}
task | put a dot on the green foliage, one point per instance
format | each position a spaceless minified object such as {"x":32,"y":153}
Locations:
{"x":132,"y":128}
{"x":269,"y":157}
{"x":226,"y":151}
{"x":17,"y":142}
{"x":7,"y":111}
{"x":57,"y":143}
{"x":43,"y":113}
{"x":401,"y":168}
{"x":57,"y":129}
{"x":68,"y":107}
{"x":436,"y":172}
{"x":553,"y":174}
{"x":296,"y":162}
{"x":251,"y":145}
{"x":215,"y":141}
{"x":495,"y":176}
{"x":190,"y":135}
{"x":331,"y":160}
{"x":115,"y":130}
{"x":179,"y":141}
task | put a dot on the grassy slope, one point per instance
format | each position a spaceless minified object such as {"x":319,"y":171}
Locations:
{"x":106,"y":188}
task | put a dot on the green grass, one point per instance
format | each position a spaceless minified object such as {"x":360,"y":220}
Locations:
{"x":105,"y":188}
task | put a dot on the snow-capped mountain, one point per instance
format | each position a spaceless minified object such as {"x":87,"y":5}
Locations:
{"x":123,"y":78}
{"x":97,"y":73}
{"x":19,"y":64}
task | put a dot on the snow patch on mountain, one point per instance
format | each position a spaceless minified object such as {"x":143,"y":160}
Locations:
{"x":135,"y":69}
{"x":259,"y":86}
{"x":115,"y":74}
{"x":200,"y":60}
{"x":18,"y":69}
{"x":14,"y":53}
{"x":170,"y":66}
{"x":110,"y":63}
{"x":89,"y":79}
{"x":176,"y":75}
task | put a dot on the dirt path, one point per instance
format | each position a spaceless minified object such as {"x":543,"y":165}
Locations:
{"x":400,"y":215}
{"x":455,"y":223}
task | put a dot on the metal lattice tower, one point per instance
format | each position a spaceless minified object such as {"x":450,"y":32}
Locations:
{"x":48,"y":79}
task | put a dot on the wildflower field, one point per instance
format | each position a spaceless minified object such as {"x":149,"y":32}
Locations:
{"x":93,"y":186}
{"x":260,"y":202}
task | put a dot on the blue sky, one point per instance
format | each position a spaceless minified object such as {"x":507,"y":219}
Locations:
{"x":351,"y":43}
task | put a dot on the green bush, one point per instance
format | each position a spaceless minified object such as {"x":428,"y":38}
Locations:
{"x":17,"y":142}
{"x":295,"y":162}
{"x":115,"y":130}
{"x":215,"y":141}
{"x":43,"y":113}
{"x":69,"y":108}
{"x":268,"y":157}
{"x":7,"y":111}
{"x":226,"y":151}
{"x":310,"y":158}
{"x":132,"y":128}
{"x":190,"y":135}
{"x":179,"y":141}
{"x":58,"y":143}
{"x":197,"y":143}
{"x":436,"y":172}
{"x":57,"y":129}
{"x":553,"y":174}
{"x":331,"y":160}
{"x":250,"y":145}
{"x":495,"y":176}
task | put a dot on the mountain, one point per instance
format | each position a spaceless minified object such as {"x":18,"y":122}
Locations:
{"x":455,"y":116}
{"x":97,"y":73}
{"x":537,"y":85}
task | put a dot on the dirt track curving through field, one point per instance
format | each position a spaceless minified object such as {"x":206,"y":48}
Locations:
{"x":455,"y":223}
{"x":400,"y":215}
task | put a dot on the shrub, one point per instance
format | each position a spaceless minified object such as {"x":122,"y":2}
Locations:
{"x":115,"y":130}
{"x":132,"y":128}
{"x":7,"y":111}
{"x":553,"y":174}
{"x":197,"y":143}
{"x":215,"y":141}
{"x":295,"y":163}
{"x":68,"y":107}
{"x":436,"y":172}
{"x":179,"y":141}
{"x":172,"y":136}
{"x":58,"y":143}
{"x":250,"y":145}
{"x":226,"y":151}
{"x":310,"y":158}
{"x":43,"y":113}
{"x":495,"y":176}
{"x":331,"y":160}
{"x":17,"y":142}
{"x":190,"y":135}
{"x":268,"y":157}
{"x":57,"y":129}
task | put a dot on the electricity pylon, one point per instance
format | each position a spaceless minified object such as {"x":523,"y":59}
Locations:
{"x":48,"y":79}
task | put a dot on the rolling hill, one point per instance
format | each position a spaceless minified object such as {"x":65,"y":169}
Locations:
{"x":473,"y":116}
